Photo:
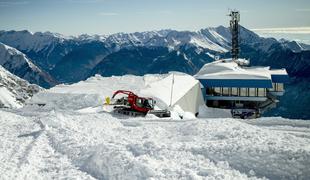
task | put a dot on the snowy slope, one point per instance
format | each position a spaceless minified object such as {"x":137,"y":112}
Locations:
{"x":19,"y":64}
{"x":13,"y":90}
{"x":89,"y":145}
{"x":76,"y":139}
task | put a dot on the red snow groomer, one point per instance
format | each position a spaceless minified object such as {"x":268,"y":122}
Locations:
{"x":133,"y":105}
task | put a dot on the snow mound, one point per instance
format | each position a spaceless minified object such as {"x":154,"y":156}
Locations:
{"x":88,"y":95}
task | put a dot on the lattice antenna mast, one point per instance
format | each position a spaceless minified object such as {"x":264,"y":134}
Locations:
{"x":234,"y":28}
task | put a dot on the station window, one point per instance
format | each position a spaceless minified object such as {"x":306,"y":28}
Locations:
{"x":274,"y":87}
{"x":277,"y":87}
{"x":225,"y":91}
{"x":252,"y":92}
{"x":217,"y":90}
{"x":234,"y":91}
{"x":243,"y":92}
{"x":280,"y":87}
{"x":261,"y":92}
{"x":210,"y":91}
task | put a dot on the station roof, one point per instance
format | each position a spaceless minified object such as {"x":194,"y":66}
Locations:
{"x":227,"y":73}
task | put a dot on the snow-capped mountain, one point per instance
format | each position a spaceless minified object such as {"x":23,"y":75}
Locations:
{"x":45,"y":49}
{"x":14,"y":91}
{"x":28,"y":41}
{"x":295,"y":46}
{"x":19,"y":64}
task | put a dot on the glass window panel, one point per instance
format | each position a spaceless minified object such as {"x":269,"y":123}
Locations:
{"x":225,"y":91}
{"x":209,"y":91}
{"x":234,"y":91}
{"x":243,"y":91}
{"x":261,"y":92}
{"x":252,"y":92}
{"x":217,"y":90}
{"x":280,"y":87}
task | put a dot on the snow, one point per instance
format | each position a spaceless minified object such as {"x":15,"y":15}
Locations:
{"x":8,"y":99}
{"x":211,"y":55}
{"x":14,"y":91}
{"x":14,"y":57}
{"x":207,"y":44}
{"x":73,"y":137}
{"x":278,"y":71}
{"x":28,"y":41}
{"x":227,"y":69}
{"x":68,"y":144}
{"x":18,"y":63}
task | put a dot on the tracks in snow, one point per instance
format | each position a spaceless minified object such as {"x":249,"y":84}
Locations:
{"x":26,"y":152}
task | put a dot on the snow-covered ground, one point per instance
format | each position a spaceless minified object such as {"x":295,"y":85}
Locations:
{"x":72,"y":137}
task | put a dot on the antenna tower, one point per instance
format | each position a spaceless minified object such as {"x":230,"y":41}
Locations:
{"x":234,"y":29}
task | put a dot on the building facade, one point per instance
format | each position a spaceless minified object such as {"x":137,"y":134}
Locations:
{"x":228,"y":85}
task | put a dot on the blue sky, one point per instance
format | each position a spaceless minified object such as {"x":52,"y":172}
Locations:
{"x":73,"y":17}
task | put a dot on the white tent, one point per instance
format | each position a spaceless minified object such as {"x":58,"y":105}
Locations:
{"x":176,"y":90}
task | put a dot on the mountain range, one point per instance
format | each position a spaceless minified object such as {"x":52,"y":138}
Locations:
{"x":51,"y":58}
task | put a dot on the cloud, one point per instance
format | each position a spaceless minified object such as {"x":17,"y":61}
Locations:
{"x":285,"y":30}
{"x":108,"y":14}
{"x":12,"y":3}
{"x":302,"y":10}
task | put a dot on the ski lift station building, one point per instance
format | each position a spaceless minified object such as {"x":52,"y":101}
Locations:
{"x":226,"y":84}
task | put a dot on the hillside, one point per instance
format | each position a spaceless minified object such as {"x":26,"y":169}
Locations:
{"x":20,"y":65}
{"x":14,"y":91}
